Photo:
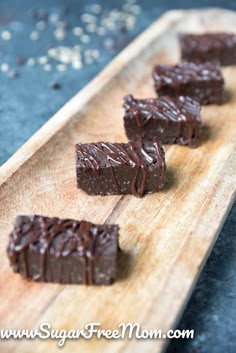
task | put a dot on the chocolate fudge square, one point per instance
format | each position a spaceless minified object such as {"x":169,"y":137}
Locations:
{"x":120,"y":168}
{"x":215,"y":47}
{"x":63,"y":250}
{"x":171,"y":120}
{"x":202,"y":82}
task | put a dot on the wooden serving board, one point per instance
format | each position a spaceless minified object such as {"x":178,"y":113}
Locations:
{"x":165,"y":237}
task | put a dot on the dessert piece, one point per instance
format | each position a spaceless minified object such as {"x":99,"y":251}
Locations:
{"x":170,"y":120}
{"x":215,"y":47}
{"x":202,"y":82}
{"x":63,"y":251}
{"x":120,"y":168}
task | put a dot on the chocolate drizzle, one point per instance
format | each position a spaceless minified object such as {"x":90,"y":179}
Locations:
{"x":216,"y":47}
{"x":181,"y":109}
{"x":59,"y":239}
{"x":185,"y":72}
{"x":159,"y":113}
{"x":206,"y":40}
{"x":136,"y":155}
{"x":202,"y":82}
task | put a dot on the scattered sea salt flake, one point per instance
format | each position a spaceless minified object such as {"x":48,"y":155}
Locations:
{"x":96,"y":9}
{"x":6,"y":35}
{"x":31,"y":62}
{"x":41,"y":25}
{"x":4,"y":67}
{"x":77,"y":31}
{"x":61,"y":67}
{"x":85,"y":38}
{"x":47,"y":67}
{"x":43,"y":60}
{"x":34,"y":36}
{"x":59,"y":34}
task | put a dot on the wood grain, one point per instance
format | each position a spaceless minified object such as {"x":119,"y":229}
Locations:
{"x":165,"y":237}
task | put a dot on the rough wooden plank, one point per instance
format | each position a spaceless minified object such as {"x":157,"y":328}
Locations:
{"x":165,"y":237}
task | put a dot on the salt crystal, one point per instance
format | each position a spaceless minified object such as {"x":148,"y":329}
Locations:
{"x":4,"y":67}
{"x":47,"y":67}
{"x":31,"y":61}
{"x":77,"y":31}
{"x":59,"y":34}
{"x":88,"y":18}
{"x":61,"y":67}
{"x":41,"y":25}
{"x":96,"y":8}
{"x":6,"y":35}
{"x":43,"y":60}
{"x":34,"y":36}
{"x":85,"y":38}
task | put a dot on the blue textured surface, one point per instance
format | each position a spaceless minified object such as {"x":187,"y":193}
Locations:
{"x":28,"y":101}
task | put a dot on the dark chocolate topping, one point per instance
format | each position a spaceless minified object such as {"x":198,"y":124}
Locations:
{"x":132,"y":154}
{"x":60,"y":237}
{"x":204,"y":42}
{"x":181,"y":109}
{"x":185,"y":72}
{"x":138,"y":155}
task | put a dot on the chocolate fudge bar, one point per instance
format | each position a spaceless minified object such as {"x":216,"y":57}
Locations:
{"x":120,"y":168}
{"x":171,"y":120}
{"x":63,"y":251}
{"x":214,"y":47}
{"x":202,"y":82}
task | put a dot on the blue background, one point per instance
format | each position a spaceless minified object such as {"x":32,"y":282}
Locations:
{"x":28,"y":101}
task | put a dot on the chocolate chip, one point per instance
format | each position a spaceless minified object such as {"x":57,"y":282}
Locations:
{"x":55,"y":85}
{"x":64,"y":10}
{"x":42,"y":14}
{"x":13,"y":74}
{"x":33,"y":13}
{"x":122,"y":27}
{"x":20,"y":60}
{"x":38,"y":14}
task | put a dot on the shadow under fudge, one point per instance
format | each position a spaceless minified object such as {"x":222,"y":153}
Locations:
{"x":228,"y":96}
{"x":206,"y":133}
{"x":170,"y":179}
{"x":124,"y":265}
